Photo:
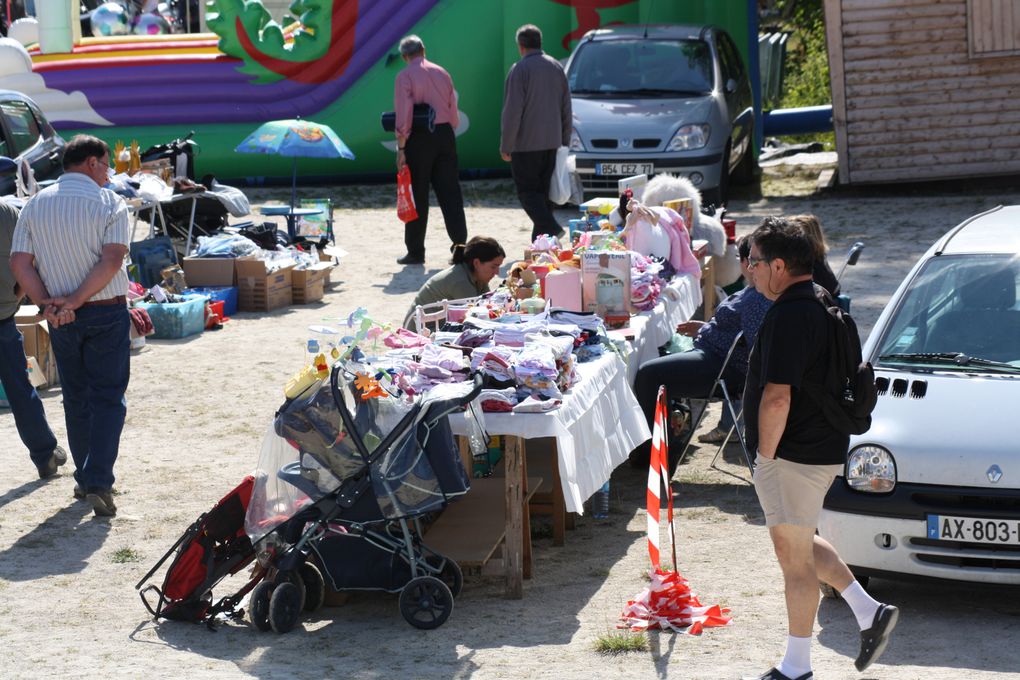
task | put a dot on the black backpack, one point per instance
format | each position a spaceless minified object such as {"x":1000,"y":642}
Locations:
{"x":848,"y":395}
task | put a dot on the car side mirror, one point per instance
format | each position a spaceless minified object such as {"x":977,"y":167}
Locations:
{"x":731,"y":86}
{"x":7,"y":166}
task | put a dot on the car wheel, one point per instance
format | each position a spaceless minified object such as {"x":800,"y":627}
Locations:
{"x":718,"y":195}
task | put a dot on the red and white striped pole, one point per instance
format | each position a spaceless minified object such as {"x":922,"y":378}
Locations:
{"x":658,"y":473}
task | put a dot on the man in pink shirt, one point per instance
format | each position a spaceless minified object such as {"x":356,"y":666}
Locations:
{"x":431,"y":155}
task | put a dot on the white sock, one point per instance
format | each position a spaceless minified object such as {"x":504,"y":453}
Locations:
{"x":862,"y":604}
{"x":797,"y":661}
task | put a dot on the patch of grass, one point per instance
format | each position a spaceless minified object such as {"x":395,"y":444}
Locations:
{"x":620,"y":642}
{"x":599,"y":572}
{"x":125,"y":555}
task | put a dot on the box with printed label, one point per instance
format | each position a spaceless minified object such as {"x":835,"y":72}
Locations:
{"x":258,"y":289}
{"x":309,"y":284}
{"x":605,"y":283}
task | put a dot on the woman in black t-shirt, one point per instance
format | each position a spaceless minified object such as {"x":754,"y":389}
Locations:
{"x":821,"y":273}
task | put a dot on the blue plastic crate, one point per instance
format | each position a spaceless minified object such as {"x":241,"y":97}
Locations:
{"x":173,"y":320}
{"x":228,"y":294}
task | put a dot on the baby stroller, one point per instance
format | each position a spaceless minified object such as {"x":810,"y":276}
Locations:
{"x":344,"y":481}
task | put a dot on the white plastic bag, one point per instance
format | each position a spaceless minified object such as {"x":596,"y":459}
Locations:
{"x":559,"y":183}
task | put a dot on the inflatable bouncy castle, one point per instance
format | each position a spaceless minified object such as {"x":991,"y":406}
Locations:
{"x":334,"y":62}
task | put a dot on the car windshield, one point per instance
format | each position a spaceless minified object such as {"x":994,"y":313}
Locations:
{"x":960,"y":313}
{"x":641,"y":67}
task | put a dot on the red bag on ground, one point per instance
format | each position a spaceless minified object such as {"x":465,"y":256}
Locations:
{"x":405,"y":198}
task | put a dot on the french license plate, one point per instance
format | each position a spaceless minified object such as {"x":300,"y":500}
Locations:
{"x":974,"y":530}
{"x":625,"y":169}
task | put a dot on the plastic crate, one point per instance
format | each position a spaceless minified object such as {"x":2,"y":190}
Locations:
{"x":228,"y":294}
{"x":173,"y":320}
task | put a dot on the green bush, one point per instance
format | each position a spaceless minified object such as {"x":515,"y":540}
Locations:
{"x":806,"y":80}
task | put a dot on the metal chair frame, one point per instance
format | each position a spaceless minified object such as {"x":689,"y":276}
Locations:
{"x":720,"y":384}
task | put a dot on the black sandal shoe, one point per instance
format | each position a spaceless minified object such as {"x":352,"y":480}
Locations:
{"x":874,"y":639}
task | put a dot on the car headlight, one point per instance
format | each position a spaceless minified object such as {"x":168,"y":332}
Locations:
{"x":575,"y":141}
{"x":689,"y":137}
{"x":871,"y":468}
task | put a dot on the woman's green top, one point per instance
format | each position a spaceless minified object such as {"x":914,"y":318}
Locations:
{"x":453,"y":283}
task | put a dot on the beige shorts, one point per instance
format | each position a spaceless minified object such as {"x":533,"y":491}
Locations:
{"x":792,"y":493}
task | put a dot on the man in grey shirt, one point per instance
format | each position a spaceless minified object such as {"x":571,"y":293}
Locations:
{"x":29,"y":416}
{"x":536,"y":121}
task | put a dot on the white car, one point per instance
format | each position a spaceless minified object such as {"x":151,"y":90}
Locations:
{"x":933,"y":488}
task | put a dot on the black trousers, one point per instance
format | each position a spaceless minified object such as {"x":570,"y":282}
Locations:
{"x":432,"y":160}
{"x":532,"y":171}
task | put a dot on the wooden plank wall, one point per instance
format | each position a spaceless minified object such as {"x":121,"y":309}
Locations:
{"x":914,"y":105}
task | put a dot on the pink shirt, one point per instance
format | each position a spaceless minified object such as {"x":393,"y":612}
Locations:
{"x":422,"y":82}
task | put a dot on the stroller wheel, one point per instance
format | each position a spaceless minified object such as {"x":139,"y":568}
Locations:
{"x":284,"y":607}
{"x":449,"y":572}
{"x":258,"y":605}
{"x":426,"y":602}
{"x":294,"y":578}
{"x":315,"y":586}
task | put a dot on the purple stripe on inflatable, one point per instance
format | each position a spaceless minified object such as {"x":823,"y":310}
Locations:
{"x":216,"y":92}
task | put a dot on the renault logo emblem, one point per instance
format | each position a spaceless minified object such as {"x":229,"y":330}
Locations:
{"x":994,"y":474}
{"x":625,"y":143}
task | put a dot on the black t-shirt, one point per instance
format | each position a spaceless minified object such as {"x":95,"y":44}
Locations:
{"x":792,"y":349}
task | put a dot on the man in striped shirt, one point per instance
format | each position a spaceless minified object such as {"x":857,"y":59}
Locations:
{"x":68,"y":256}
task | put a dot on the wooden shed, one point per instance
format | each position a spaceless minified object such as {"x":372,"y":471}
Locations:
{"x":924,"y":89}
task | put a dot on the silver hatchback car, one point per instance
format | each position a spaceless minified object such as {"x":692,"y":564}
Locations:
{"x":933,"y":489}
{"x":657,"y":99}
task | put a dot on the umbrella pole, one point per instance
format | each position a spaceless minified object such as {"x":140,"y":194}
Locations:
{"x":293,"y":186}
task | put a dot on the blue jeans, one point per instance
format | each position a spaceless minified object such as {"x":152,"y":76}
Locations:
{"x":94,"y":358}
{"x":27,"y":407}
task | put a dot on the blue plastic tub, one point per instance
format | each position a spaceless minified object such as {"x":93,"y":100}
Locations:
{"x":173,"y":320}
{"x":228,"y":294}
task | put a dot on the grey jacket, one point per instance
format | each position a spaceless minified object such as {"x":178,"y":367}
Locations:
{"x":536,"y":105}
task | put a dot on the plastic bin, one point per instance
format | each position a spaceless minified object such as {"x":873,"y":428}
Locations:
{"x":173,"y":320}
{"x":228,"y":294}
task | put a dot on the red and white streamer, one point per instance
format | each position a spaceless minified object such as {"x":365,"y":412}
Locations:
{"x":668,"y":602}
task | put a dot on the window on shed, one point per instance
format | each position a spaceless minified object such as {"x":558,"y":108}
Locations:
{"x":993,"y":27}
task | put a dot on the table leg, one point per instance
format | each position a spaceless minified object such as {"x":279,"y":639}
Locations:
{"x":559,"y":506}
{"x":514,"y":541}
{"x":526,"y":514}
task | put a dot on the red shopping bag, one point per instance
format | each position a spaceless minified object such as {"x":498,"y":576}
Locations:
{"x":405,"y":198}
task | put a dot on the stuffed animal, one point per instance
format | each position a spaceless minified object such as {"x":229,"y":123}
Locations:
{"x":665,"y":187}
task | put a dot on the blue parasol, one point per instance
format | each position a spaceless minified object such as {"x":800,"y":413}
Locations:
{"x":297,"y":139}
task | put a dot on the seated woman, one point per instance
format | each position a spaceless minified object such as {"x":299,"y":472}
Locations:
{"x":822,"y":274}
{"x":475,"y":263}
{"x":691,"y":374}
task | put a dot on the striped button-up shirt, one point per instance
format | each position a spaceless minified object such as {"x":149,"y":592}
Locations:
{"x":65,"y":227}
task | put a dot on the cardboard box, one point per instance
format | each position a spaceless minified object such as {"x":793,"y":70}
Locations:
{"x":259,"y":290}
{"x":309,"y":284}
{"x":37,"y":347}
{"x":209,"y":271}
{"x":563,"y":289}
{"x":605,"y":283}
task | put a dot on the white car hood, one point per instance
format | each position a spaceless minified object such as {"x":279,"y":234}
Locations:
{"x":953,"y":435}
{"x":597,"y":117}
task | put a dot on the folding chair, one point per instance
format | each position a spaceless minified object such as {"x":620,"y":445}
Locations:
{"x":720,"y":385}
{"x":316,"y":229}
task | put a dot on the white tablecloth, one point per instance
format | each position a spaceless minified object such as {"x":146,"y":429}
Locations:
{"x":596,"y":427}
{"x":654,"y":328}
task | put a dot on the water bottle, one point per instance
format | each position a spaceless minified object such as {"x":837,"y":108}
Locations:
{"x":600,"y":503}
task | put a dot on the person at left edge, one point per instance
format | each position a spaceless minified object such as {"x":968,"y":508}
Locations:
{"x":26,"y":406}
{"x":430,"y":156}
{"x":68,"y":256}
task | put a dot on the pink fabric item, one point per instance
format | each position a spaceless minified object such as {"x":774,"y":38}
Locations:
{"x":422,"y":82}
{"x":680,"y":256}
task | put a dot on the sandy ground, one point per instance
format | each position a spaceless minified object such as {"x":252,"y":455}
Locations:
{"x":197,"y":411}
